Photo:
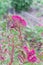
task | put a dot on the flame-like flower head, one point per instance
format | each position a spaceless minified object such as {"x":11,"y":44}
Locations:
{"x":31,"y":55}
{"x":19,"y":20}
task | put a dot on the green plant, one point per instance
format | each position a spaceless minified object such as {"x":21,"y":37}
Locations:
{"x":21,"y":4}
{"x":4,"y":5}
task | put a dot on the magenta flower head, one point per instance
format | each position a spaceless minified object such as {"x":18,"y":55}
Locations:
{"x":31,"y":57}
{"x":19,"y":20}
{"x":25,"y":48}
{"x":0,"y":45}
{"x":1,"y":58}
{"x":41,"y":25}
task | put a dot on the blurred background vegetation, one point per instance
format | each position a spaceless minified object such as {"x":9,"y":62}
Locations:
{"x":19,"y":5}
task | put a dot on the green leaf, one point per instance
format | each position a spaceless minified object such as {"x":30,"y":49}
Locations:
{"x":14,"y":32}
{"x":3,"y":25}
{"x":20,"y":5}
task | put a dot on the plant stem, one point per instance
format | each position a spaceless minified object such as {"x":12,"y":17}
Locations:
{"x":12,"y":55}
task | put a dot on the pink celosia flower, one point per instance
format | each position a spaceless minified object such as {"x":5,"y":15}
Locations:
{"x":40,"y":24}
{"x":21,"y":20}
{"x":1,"y":58}
{"x":28,"y":50}
{"x":0,"y":45}
{"x":31,"y":57}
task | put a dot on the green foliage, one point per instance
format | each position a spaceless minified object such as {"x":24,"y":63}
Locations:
{"x":4,"y":5}
{"x":21,"y":4}
{"x":39,"y":29}
{"x":34,"y":34}
{"x":14,"y":32}
{"x":3,"y":25}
